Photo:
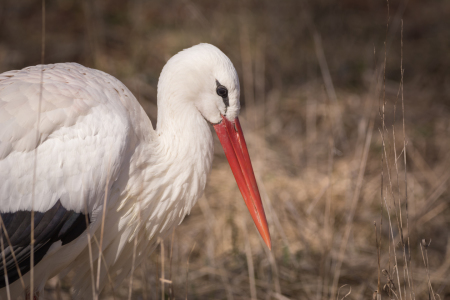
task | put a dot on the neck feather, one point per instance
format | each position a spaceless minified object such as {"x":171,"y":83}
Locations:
{"x":171,"y":174}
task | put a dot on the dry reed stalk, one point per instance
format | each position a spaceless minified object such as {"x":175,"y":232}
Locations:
{"x":91,"y":260}
{"x":393,"y":246}
{"x":102,"y":228}
{"x":91,"y":32}
{"x":130,"y":288}
{"x":440,"y":273}
{"x":86,"y":213}
{"x":317,"y":198}
{"x":439,"y":276}
{"x":33,"y":196}
{"x":345,"y":296}
{"x":337,"y":115}
{"x":353,"y":206}
{"x":248,"y":254}
{"x":439,"y":187}
{"x":106,"y":267}
{"x":273,"y":217}
{"x":311,"y":132}
{"x":8,"y":294}
{"x":430,"y":215}
{"x":275,"y":271}
{"x":260,"y":83}
{"x":12,"y":253}
{"x":301,"y":226}
{"x":157,"y":281}
{"x":386,"y":159}
{"x":398,"y":212}
{"x":162,"y":279}
{"x":187,"y":270}
{"x":327,"y":222}
{"x":377,"y":293}
{"x":280,"y":297}
{"x":248,"y":78}
{"x":422,"y":165}
{"x":399,"y":215}
{"x":388,"y":167}
{"x":144,"y":279}
{"x":198,"y":15}
{"x":410,"y":280}
{"x":425,"y":245}
{"x":171,"y":291}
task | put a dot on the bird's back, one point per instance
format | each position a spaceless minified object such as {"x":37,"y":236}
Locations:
{"x":85,"y":119}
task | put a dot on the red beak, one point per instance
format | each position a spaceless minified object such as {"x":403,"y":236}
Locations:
{"x":233,"y":143}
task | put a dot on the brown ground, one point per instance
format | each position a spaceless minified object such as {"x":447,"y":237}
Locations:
{"x":316,"y":112}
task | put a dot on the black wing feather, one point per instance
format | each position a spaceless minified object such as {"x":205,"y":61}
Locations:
{"x":51,"y":226}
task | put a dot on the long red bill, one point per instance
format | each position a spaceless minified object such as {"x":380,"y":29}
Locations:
{"x":233,"y":143}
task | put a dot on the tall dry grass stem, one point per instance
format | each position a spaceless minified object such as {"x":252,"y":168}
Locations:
{"x":8,"y":293}
{"x":171,"y":287}
{"x":162,"y":279}
{"x":328,"y":219}
{"x":260,"y":80}
{"x":91,"y":30}
{"x":133,"y":260}
{"x":272,"y":218}
{"x":424,"y":245}
{"x":187,"y":271}
{"x":33,"y":197}
{"x":377,"y":293}
{"x":144,"y":281}
{"x":91,"y":260}
{"x":94,"y":238}
{"x":329,"y":86}
{"x":345,"y":296}
{"x":353,"y":205}
{"x":2,"y":225}
{"x":248,"y":76}
{"x":138,"y":204}
{"x":250,"y":266}
{"x":102,"y":229}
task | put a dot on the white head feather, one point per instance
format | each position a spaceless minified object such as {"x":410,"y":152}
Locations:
{"x":190,"y":78}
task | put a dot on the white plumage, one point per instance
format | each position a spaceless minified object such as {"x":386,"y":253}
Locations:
{"x":94,"y":137}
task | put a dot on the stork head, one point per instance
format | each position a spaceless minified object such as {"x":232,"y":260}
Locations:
{"x":204,"y":77}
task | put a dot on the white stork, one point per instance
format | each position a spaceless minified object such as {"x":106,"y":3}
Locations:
{"x":78,"y":149}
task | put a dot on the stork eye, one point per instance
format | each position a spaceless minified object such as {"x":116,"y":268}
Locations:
{"x":222,"y":91}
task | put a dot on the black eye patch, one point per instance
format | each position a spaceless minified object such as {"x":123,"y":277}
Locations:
{"x":222,"y":92}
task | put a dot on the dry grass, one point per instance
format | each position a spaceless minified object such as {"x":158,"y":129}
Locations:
{"x":340,"y":139}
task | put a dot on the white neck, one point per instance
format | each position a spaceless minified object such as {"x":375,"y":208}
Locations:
{"x":185,"y":139}
{"x":170,"y":172}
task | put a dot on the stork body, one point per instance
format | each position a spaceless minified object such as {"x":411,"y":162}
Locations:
{"x":78,"y":149}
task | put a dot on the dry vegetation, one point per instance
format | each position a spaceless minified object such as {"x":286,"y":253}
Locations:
{"x":326,"y":118}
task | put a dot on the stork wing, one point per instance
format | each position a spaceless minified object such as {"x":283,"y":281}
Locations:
{"x":56,"y":224}
{"x":62,"y":167}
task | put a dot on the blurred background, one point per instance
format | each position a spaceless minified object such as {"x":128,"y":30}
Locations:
{"x":332,"y":123}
